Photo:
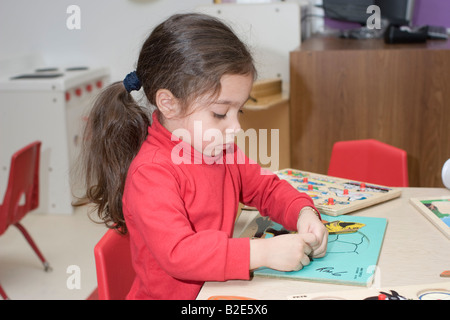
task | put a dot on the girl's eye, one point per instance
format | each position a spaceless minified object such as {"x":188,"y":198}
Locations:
{"x":219,"y":116}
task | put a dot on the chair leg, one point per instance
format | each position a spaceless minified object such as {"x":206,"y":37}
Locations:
{"x":3,"y":294}
{"x":34,"y":246}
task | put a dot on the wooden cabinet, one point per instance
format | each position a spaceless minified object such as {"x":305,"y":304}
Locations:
{"x":345,"y":89}
{"x":265,"y":125}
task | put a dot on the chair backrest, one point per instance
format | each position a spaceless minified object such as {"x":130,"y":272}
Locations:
{"x":22,"y":191}
{"x":115,"y":272}
{"x":369,"y":161}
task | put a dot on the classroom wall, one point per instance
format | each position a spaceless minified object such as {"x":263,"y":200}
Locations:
{"x":111,"y":33}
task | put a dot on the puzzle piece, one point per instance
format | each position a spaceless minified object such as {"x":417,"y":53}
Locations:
{"x":352,"y":196}
{"x":340,"y":227}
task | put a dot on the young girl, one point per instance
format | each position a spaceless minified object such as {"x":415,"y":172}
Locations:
{"x":177,"y":195}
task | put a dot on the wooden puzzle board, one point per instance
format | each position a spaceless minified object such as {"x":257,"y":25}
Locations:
{"x":351,"y":258}
{"x":437,"y":210}
{"x":347,"y":195}
{"x":434,"y":291}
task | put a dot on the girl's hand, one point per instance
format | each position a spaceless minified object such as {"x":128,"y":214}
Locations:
{"x":288,"y":252}
{"x":309,"y":223}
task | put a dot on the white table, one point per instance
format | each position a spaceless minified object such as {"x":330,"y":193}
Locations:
{"x":414,"y":252}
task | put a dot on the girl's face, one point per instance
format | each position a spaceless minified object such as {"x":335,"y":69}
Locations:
{"x":212,"y":128}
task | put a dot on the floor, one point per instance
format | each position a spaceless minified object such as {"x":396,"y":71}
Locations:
{"x":67,"y":241}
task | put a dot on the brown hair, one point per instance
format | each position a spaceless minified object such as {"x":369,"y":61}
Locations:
{"x":187,"y":54}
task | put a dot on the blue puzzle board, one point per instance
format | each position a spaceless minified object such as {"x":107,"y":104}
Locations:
{"x":351,"y":259}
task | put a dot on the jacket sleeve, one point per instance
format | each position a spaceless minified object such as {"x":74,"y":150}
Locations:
{"x":158,"y":214}
{"x":272,"y":196}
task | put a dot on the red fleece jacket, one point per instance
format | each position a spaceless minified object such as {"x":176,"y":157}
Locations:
{"x":181,"y":216}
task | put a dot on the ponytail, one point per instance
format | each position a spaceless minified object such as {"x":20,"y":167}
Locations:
{"x":114,"y":133}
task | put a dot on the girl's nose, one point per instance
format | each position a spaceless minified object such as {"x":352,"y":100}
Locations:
{"x":232,"y":130}
{"x":235,"y":125}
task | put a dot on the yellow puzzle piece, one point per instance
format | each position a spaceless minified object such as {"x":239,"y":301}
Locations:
{"x":340,"y":227}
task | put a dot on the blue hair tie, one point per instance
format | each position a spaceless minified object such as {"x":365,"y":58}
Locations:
{"x":131,"y":82}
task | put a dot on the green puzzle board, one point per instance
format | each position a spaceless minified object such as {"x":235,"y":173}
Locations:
{"x":351,"y":259}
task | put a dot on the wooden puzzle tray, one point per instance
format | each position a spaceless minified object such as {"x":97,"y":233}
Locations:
{"x":337,"y":196}
{"x":436,"y":210}
{"x":434,"y":291}
{"x":351,"y":257}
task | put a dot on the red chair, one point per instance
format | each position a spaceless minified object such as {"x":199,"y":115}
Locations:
{"x":3,"y":294}
{"x":22,"y":194}
{"x":115,"y":273}
{"x":369,"y":161}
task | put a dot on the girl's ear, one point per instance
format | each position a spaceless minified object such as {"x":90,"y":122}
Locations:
{"x":167,"y":103}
